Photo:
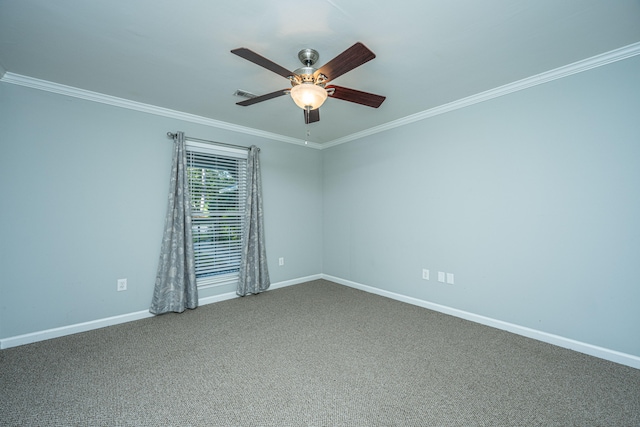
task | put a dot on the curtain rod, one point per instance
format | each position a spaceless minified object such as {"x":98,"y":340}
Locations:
{"x":173,"y":136}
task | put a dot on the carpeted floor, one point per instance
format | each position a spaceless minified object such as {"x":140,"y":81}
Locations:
{"x":314,"y":354}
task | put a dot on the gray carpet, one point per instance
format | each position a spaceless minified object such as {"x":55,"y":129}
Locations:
{"x":314,"y":354}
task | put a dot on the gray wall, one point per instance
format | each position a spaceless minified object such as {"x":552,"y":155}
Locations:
{"x":83,"y":188}
{"x":532,"y":200}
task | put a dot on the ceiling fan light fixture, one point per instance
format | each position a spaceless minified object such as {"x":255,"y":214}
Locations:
{"x":308,"y":95}
{"x":308,"y":88}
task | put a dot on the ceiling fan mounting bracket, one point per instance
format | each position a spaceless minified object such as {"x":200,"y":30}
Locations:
{"x":308,"y":57}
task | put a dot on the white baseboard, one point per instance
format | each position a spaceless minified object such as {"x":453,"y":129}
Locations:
{"x":129,"y":317}
{"x":592,"y":350}
{"x":295,"y":281}
{"x":231,"y":295}
{"x":72,"y":329}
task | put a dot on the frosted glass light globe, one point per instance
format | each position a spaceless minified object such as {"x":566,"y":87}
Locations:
{"x":308,"y":95}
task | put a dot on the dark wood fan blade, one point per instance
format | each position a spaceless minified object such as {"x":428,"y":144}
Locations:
{"x":261,"y":98}
{"x":250,"y":55}
{"x":351,"y":58}
{"x":311,"y":116}
{"x":352,"y":95}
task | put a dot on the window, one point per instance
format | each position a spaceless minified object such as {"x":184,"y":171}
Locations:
{"x":217,"y":183}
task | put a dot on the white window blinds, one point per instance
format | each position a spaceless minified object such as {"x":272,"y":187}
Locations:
{"x":217,"y":183}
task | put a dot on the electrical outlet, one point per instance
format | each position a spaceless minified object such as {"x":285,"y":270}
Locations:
{"x":122,"y":285}
{"x":450,"y":278}
{"x":281,"y":261}
{"x":425,"y":274}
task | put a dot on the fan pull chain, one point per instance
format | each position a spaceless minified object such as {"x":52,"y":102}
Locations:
{"x":306,"y":141}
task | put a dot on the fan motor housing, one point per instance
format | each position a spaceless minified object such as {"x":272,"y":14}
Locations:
{"x":306,"y":74}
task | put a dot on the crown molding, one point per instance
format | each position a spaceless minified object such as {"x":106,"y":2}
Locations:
{"x":558,"y":73}
{"x":547,"y":76}
{"x":47,"y":86}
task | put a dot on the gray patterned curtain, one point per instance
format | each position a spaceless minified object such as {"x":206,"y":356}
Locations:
{"x":175,"y":287}
{"x":254,"y":274}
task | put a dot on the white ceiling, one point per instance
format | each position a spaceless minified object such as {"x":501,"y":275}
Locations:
{"x":176,"y":54}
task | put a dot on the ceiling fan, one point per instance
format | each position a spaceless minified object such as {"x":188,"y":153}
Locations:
{"x":309,"y":85}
